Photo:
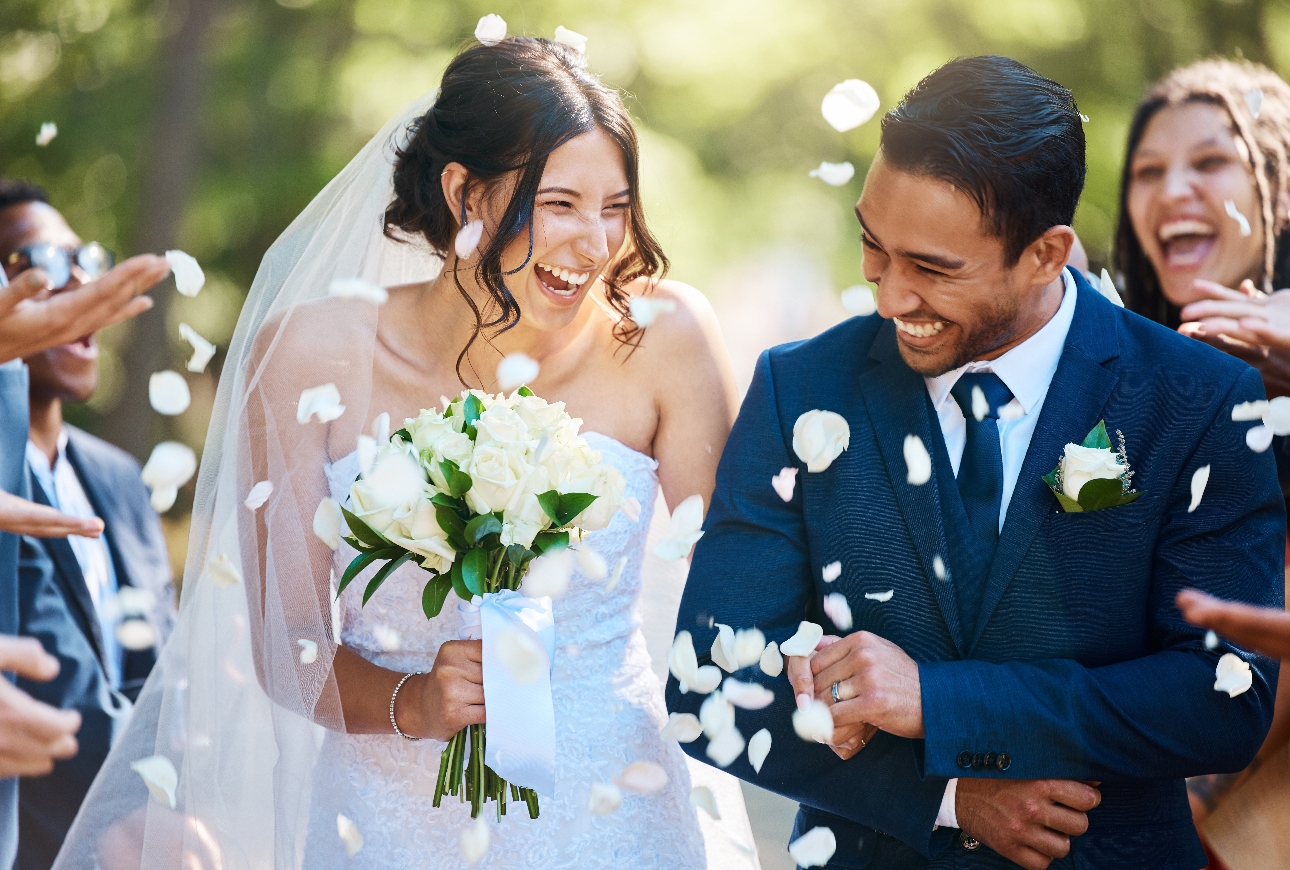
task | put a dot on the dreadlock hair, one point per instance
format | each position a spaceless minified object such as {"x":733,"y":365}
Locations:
{"x":1266,"y":146}
{"x":20,"y":191}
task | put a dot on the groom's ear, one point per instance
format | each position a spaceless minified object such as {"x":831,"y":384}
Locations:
{"x":1047,"y":255}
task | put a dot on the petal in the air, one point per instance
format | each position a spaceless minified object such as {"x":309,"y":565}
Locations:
{"x":327,"y":522}
{"x":516,"y":370}
{"x":203,"y":350}
{"x":684,"y":531}
{"x":784,"y":483}
{"x":349,"y":834}
{"x":223,"y":572}
{"x":725,"y":747}
{"x":1259,"y":438}
{"x":548,"y":575}
{"x":491,"y":29}
{"x":834,"y":174}
{"x":772,"y":663}
{"x":47,"y":133}
{"x":849,"y":104}
{"x":135,"y":634}
{"x":1198,"y":482}
{"x":617,"y":575}
{"x":1235,"y":214}
{"x":468,"y":239}
{"x":520,"y":656}
{"x":859,"y":300}
{"x":605,"y":798}
{"x":322,"y":402}
{"x":308,"y":651}
{"x":168,"y":393}
{"x":819,"y":437}
{"x":880,"y":597}
{"x":918,"y":463}
{"x":702,"y":797}
{"x":749,"y":645}
{"x":646,"y":309}
{"x":814,"y":848}
{"x":258,"y":495}
{"x":189,"y":277}
{"x":159,"y":775}
{"x":803,"y":642}
{"x":838,"y":610}
{"x":758,"y":749}
{"x":723,"y":649}
{"x":682,"y":727}
{"x":747,"y":696}
{"x":574,"y":40}
{"x":814,"y":722}
{"x":474,"y":841}
{"x":1233,"y":675}
{"x":642,"y":777}
{"x":716,"y":714}
{"x":831,"y":572}
{"x":357,"y":288}
{"x":591,"y":563}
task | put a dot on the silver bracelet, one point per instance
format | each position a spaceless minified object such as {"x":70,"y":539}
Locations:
{"x":394,"y":697}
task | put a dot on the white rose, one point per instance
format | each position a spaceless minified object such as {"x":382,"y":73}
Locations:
{"x":498,"y":472}
{"x":500,"y":425}
{"x":525,"y":518}
{"x":420,"y":532}
{"x":1082,"y":464}
{"x":819,"y":437}
{"x":565,"y":463}
{"x":454,"y":446}
{"x":609,"y":487}
{"x":539,"y":415}
{"x":392,"y":489}
{"x":427,"y":429}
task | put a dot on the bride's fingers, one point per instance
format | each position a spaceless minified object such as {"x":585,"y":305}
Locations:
{"x":799,"y":675}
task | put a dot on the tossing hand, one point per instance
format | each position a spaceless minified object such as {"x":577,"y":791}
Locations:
{"x":1262,"y":629}
{"x":1029,"y":822}
{"x":21,"y":517}
{"x":1246,"y":323}
{"x":32,"y":734}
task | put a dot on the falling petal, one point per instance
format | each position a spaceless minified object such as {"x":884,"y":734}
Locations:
{"x":203,"y":350}
{"x":682,"y":727}
{"x":772,"y":663}
{"x":189,"y":277}
{"x":1011,"y":411}
{"x":327,"y":520}
{"x":1259,"y":438}
{"x":468,"y":239}
{"x":617,"y":575}
{"x":849,"y":104}
{"x":1211,"y":640}
{"x":521,"y":656}
{"x":349,"y":834}
{"x":917,"y":461}
{"x":723,"y":648}
{"x":169,"y":466}
{"x":366,"y":450}
{"x":134,"y":601}
{"x":832,"y":571}
{"x":880,"y":597}
{"x":357,"y":288}
{"x":980,"y":405}
{"x":381,"y":428}
{"x":725,"y":747}
{"x":159,"y":775}
{"x":814,"y":848}
{"x":387,"y":638}
{"x":838,"y":610}
{"x":591,"y":563}
{"x":1247,"y":412}
{"x":321,"y":402}
{"x":1234,"y":213}
{"x":834,"y":174}
{"x":747,"y":696}
{"x":642,"y":777}
{"x":707,"y":678}
{"x":223,"y":572}
{"x":47,"y":133}
{"x":684,"y":530}
{"x":136,"y":634}
{"x":1083,"y":118}
{"x":682,"y":662}
{"x":1107,"y":288}
{"x":258,"y":495}
{"x":632,"y":509}
{"x":819,"y":437}
{"x":1198,"y":481}
{"x":748,"y":647}
{"x":605,"y":798}
{"x":308,"y":651}
{"x":938,"y":567}
{"x":474,"y":841}
{"x":803,"y":642}
{"x":576,"y":41}
{"x":168,"y":393}
{"x":702,"y":797}
{"x":1277,"y":415}
{"x":491,"y":29}
{"x":716,"y":714}
{"x":758,"y":748}
{"x":784,"y":483}
{"x":548,"y":575}
{"x":859,"y":300}
{"x":516,"y":370}
{"x":645,"y":309}
{"x":1254,"y":99}
{"x":163,"y":498}
{"x":1234,"y":675}
{"x":814,"y":722}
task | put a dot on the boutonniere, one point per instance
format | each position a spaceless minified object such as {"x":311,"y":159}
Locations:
{"x":1092,"y":476}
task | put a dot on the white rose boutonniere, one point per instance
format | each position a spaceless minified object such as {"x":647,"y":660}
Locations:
{"x":1093,"y":476}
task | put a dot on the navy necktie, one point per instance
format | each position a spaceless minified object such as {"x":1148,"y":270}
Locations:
{"x":980,"y":479}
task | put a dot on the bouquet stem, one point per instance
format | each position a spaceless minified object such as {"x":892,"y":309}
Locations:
{"x":465,"y":775}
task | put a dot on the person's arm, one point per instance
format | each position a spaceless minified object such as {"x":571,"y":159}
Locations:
{"x":21,"y":517}
{"x":1159,"y":716}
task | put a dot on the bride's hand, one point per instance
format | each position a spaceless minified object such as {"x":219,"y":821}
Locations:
{"x":448,"y":698}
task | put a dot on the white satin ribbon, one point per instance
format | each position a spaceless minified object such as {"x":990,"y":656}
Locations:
{"x":521,"y":718}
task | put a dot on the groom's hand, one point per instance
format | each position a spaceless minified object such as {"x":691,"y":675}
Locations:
{"x":1030,"y":822}
{"x":877,"y":682}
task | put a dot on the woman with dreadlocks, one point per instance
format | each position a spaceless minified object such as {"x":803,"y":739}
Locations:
{"x":1203,"y":245}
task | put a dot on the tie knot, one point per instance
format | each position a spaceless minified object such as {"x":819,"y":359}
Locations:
{"x":981,"y":394}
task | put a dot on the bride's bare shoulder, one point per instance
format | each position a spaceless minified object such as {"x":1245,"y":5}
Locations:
{"x":317,"y":328}
{"x":684,"y":328}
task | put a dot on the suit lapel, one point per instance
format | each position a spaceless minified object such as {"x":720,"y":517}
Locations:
{"x":1072,"y":407}
{"x":896,"y":398}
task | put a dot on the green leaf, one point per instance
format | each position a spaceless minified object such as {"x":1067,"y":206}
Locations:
{"x":432,"y":597}
{"x":525,"y":392}
{"x":572,"y":504}
{"x":481,"y":527}
{"x":383,"y":574}
{"x":518,"y":554}
{"x":458,"y":582}
{"x":474,"y":571}
{"x":361,"y":562}
{"x":471,"y":409}
{"x":1098,"y":437}
{"x":402,"y":433}
{"x":459,"y":482}
{"x":1099,"y":495}
{"x":550,"y":503}
{"x":448,"y":501}
{"x":358,"y":545}
{"x":546,"y":542}
{"x":453,"y":527}
{"x":1070,"y":505}
{"x":362,"y":531}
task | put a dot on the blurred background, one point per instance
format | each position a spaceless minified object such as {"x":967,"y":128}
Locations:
{"x":207,"y":125}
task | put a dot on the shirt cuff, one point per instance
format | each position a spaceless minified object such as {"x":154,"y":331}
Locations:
{"x":948,"y":817}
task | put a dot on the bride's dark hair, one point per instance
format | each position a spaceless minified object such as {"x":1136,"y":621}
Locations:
{"x":503,"y":109}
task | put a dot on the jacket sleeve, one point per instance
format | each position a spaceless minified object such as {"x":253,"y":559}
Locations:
{"x":1155,"y":717}
{"x":753,"y":568}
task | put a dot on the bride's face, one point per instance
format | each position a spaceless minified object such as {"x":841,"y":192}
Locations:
{"x":579,"y":224}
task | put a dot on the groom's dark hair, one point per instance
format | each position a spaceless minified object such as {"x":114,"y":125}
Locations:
{"x":1000,"y":132}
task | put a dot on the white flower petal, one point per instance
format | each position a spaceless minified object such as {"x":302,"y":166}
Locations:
{"x":747,"y":696}
{"x":814,"y":848}
{"x":917,"y":461}
{"x":322,"y":402}
{"x":838,"y":610}
{"x":468,"y":239}
{"x":1233,"y":675}
{"x":1198,"y":481}
{"x":474,"y":841}
{"x":327,"y":522}
{"x":366,"y":450}
{"x":834,"y":174}
{"x":1083,"y":118}
{"x":758,"y":749}
{"x":642,"y":777}
{"x":48,"y":131}
{"x":591,"y":563}
{"x":682,"y":727}
{"x":1259,"y":438}
{"x":849,"y":104}
{"x":859,"y":300}
{"x":203,"y":350}
{"x":682,"y":661}
{"x":880,"y":597}
{"x":702,"y":797}
{"x":134,"y":601}
{"x":707,"y":678}
{"x":163,"y":498}
{"x":814,"y":722}
{"x":748,"y":647}
{"x":1253,"y":99}
{"x":938,"y":567}
{"x":357,"y":288}
{"x":223,"y":572}
{"x":258,"y":495}
{"x":349,"y":834}
{"x":189,"y":277}
{"x":980,"y":405}
{"x":725,"y":747}
{"x":772,"y":663}
{"x":1107,"y":288}
{"x":1277,"y":416}
{"x":819,"y":437}
{"x":548,"y":575}
{"x":169,"y":466}
{"x":387,"y":638}
{"x":716,"y":714}
{"x":521,"y":656}
{"x":135,"y":634}
{"x":645,"y":309}
{"x":168,"y":393}
{"x":576,"y":41}
{"x":605,"y":798}
{"x":617,"y":575}
{"x":784,"y":483}
{"x":1235,"y":214}
{"x":803,"y":641}
{"x":381,"y":428}
{"x":831,"y":572}
{"x":516,"y":370}
{"x":1247,"y":412}
{"x":723,"y":649}
{"x":1211,"y":640}
{"x":632,"y":509}
{"x":159,"y":775}
{"x":1011,"y":411}
{"x":308,"y":651}
{"x":684,"y":530}
{"x":491,"y":29}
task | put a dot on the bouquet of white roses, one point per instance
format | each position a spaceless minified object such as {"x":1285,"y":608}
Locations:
{"x":473,"y":494}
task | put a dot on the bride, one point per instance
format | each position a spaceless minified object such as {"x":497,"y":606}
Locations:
{"x":270,"y":714}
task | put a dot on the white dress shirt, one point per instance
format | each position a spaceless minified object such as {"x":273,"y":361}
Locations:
{"x":65,"y":493}
{"x":1026,"y":370}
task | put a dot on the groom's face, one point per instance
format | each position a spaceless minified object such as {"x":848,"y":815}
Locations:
{"x":942,"y":275}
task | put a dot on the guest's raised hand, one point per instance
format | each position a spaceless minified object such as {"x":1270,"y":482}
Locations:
{"x":1246,"y":323}
{"x":450,"y":697}
{"x":1263,"y":629}
{"x":1029,"y":822}
{"x":32,"y":734}
{"x":21,"y":517}
{"x":877,"y":685}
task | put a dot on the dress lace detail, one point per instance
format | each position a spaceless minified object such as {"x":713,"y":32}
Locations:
{"x":608,"y":706}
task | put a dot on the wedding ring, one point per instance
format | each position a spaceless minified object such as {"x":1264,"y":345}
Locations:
{"x":837,"y":699}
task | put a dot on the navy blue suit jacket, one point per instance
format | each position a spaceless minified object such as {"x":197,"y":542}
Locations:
{"x":110,"y":478}
{"x":1080,"y":665}
{"x":13,"y":479}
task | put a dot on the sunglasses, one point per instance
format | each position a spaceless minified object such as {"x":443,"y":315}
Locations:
{"x":92,"y":259}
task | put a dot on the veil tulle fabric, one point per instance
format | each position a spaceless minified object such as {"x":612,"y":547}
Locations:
{"x":230,"y":704}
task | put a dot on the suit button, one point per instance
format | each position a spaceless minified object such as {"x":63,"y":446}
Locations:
{"x":978,"y":761}
{"x":989,"y":760}
{"x":964,"y":759}
{"x":969,"y":843}
{"x":1003,"y":762}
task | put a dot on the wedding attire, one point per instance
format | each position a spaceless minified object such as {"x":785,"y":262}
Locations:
{"x":1059,"y":653}
{"x":13,"y":479}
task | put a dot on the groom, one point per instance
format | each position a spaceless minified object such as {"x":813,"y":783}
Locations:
{"x":1013,"y":654}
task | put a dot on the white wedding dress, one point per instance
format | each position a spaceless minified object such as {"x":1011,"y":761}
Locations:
{"x":608,"y":713}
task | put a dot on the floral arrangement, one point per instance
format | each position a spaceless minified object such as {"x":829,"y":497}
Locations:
{"x":1092,"y":476}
